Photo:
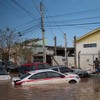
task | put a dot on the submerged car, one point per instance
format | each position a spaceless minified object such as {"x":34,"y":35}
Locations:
{"x":65,"y":70}
{"x":45,"y":76}
{"x":4,"y":74}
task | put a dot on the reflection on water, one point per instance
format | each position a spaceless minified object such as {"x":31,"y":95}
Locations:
{"x":88,"y":89}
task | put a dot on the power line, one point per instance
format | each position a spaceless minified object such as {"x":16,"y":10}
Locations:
{"x":49,"y":24}
{"x":75,"y":19}
{"x":79,"y":12}
{"x":36,"y":6}
{"x":27,"y":23}
{"x":56,"y":23}
{"x":24,"y":9}
{"x":9,"y":9}
{"x":92,"y":23}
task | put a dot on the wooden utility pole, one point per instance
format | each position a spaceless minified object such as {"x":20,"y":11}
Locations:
{"x":43,"y":30}
{"x":75,"y":61}
{"x":55,"y":45}
{"x":66,"y":54}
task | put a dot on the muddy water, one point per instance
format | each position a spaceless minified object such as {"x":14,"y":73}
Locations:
{"x":88,"y":89}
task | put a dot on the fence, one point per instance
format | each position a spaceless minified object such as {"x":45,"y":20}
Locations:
{"x":86,"y":60}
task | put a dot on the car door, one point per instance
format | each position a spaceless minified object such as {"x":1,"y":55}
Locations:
{"x":56,"y":77}
{"x":39,"y":78}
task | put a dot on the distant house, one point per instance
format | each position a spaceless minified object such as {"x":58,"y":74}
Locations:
{"x":88,"y":48}
{"x":31,"y":50}
{"x":51,"y":58}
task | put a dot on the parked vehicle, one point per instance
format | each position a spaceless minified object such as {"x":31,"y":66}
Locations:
{"x":2,"y":64}
{"x":4,"y":74}
{"x":64,"y":69}
{"x":81,"y":73}
{"x":45,"y":76}
{"x":23,"y":69}
{"x":12,"y":66}
{"x":9,"y":65}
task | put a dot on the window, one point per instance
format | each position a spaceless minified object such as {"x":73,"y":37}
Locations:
{"x":46,"y":65}
{"x":53,"y":74}
{"x":89,"y":45}
{"x":40,"y":66}
{"x":38,"y":76}
{"x":65,"y":69}
{"x":3,"y":72}
{"x":25,"y":75}
{"x":55,"y":69}
{"x":27,"y":68}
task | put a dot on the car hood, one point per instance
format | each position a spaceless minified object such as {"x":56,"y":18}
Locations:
{"x":15,"y":79}
{"x":70,"y":74}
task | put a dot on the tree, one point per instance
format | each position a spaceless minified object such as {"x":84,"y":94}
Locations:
{"x":8,"y":37}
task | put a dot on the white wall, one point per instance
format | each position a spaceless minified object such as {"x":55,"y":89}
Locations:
{"x":61,"y":61}
{"x":87,"y":55}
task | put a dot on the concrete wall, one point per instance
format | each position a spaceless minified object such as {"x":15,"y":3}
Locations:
{"x":87,"y":55}
{"x":61,"y":61}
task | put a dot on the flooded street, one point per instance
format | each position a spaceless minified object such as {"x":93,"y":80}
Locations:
{"x":88,"y":89}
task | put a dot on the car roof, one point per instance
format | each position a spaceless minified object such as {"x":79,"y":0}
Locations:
{"x":29,"y":64}
{"x":60,"y":66}
{"x":41,"y":70}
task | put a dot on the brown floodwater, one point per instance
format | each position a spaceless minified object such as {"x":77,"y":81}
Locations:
{"x":87,"y":89}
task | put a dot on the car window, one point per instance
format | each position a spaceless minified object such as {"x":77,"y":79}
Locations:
{"x":55,"y":69}
{"x":41,"y":66}
{"x":27,"y":68}
{"x":38,"y":76}
{"x":3,"y":72}
{"x":24,"y":75}
{"x":53,"y":74}
{"x":65,"y":69}
{"x":46,"y":65}
{"x":2,"y":63}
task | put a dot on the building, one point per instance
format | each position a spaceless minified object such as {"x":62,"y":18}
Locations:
{"x":51,"y":58}
{"x":88,"y":48}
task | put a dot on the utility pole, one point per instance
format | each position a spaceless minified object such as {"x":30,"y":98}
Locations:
{"x":43,"y":30}
{"x":75,"y":61}
{"x":66,"y":54}
{"x":79,"y":59}
{"x":55,"y":45}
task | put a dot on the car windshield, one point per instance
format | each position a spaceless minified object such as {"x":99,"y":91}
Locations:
{"x":55,"y":69}
{"x":47,"y":65}
{"x":43,"y":66}
{"x":3,"y":72}
{"x":65,"y":69}
{"x":24,"y":75}
{"x":27,"y":68}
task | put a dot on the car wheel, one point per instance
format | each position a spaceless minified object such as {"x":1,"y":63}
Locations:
{"x":72,"y":82}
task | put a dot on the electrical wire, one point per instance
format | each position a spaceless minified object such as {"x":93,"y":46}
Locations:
{"x":36,"y":6}
{"x":74,"y":19}
{"x":72,"y":13}
{"x":49,"y":24}
{"x":76,"y":24}
{"x":24,"y":9}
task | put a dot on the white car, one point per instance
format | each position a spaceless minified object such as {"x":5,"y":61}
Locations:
{"x":45,"y":76}
{"x":4,"y":75}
